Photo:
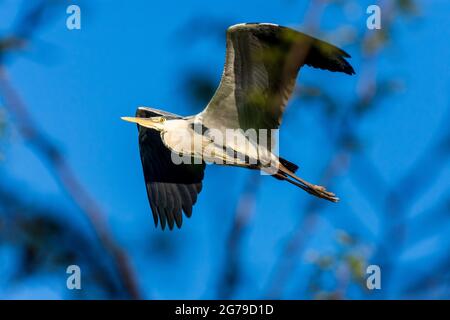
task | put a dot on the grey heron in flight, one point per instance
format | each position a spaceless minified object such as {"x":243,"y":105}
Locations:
{"x":261,"y":66}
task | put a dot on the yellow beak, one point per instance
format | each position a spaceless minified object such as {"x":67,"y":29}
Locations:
{"x":135,"y":120}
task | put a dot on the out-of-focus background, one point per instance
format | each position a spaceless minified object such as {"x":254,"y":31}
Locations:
{"x":71,"y":183}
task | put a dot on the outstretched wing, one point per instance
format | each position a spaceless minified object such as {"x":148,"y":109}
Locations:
{"x":261,"y":65}
{"x":171,"y":188}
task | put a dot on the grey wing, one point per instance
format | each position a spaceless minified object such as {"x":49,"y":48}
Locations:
{"x":261,"y":66}
{"x":171,"y":189}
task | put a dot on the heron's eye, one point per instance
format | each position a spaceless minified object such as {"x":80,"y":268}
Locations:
{"x":162,"y":119}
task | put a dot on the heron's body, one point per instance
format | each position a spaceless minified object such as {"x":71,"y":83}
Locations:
{"x":188,"y":137}
{"x":237,"y":126}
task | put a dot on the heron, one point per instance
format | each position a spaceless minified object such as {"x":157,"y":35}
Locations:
{"x":262,"y":62}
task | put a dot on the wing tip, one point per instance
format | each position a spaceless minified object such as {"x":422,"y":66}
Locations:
{"x":348,"y":69}
{"x":342,"y":66}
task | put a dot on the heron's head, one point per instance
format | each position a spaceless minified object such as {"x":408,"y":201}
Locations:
{"x":156,"y":123}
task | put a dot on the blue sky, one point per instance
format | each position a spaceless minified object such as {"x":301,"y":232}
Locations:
{"x":130,"y":54}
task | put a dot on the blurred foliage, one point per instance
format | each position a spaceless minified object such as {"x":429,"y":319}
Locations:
{"x":198,"y":88}
{"x":384,"y":89}
{"x":345,"y":267}
{"x":408,"y":7}
{"x":48,"y":244}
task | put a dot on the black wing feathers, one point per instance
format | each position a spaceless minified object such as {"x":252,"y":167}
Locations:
{"x":171,"y":188}
{"x":306,"y":49}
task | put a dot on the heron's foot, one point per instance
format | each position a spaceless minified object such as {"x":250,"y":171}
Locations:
{"x":323,"y":193}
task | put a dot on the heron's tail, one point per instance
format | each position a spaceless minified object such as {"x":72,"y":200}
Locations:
{"x":288,"y":165}
{"x":285,"y":174}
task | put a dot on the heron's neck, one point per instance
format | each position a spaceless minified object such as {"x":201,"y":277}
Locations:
{"x":175,"y":124}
